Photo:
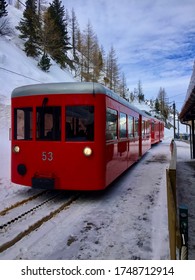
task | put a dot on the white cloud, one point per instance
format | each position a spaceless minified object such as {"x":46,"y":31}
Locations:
{"x":153,"y":39}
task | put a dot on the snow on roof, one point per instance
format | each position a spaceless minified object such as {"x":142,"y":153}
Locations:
{"x":189,"y":104}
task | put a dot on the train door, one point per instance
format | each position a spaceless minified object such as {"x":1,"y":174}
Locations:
{"x":123,"y":142}
{"x":133,"y":144}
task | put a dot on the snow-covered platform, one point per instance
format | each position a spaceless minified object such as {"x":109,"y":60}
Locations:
{"x":185,"y":184}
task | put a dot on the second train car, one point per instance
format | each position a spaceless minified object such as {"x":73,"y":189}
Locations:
{"x":75,"y":136}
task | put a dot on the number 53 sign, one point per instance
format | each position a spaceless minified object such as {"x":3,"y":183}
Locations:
{"x":47,"y":156}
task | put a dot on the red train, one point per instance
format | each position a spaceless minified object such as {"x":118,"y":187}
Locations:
{"x":76,"y":136}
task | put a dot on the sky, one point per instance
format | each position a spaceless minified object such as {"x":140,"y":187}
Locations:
{"x":153,"y":39}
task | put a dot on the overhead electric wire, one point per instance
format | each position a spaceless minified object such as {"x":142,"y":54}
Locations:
{"x":1,"y":68}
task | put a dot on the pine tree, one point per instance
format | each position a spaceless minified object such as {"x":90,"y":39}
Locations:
{"x":30,"y":27}
{"x":5,"y":28}
{"x":59,"y":52}
{"x":3,"y":6}
{"x":44,"y":63}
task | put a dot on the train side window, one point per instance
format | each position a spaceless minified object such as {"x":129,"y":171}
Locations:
{"x":136,"y":128}
{"x":152,"y":127}
{"x":23,"y":124}
{"x":147,"y":127}
{"x":143,"y":128}
{"x":111,"y":124}
{"x":79,"y":123}
{"x":130,"y":126}
{"x":123,"y":125}
{"x":48,"y":123}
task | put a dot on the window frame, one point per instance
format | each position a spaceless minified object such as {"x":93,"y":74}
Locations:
{"x":122,"y":135}
{"x":45,"y":130}
{"x":131,"y":129}
{"x":111,"y":134}
{"x":80,"y":128}
{"x":27,"y":123}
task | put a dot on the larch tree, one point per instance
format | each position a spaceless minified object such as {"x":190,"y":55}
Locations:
{"x":112,"y":70}
{"x":88,"y":45}
{"x":157,"y":106}
{"x":123,"y":86}
{"x":163,"y":106}
{"x":50,"y":35}
{"x":97,"y":60}
{"x":140,"y":93}
{"x":75,"y":33}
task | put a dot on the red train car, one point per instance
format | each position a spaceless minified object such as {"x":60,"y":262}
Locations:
{"x":74,"y":136}
{"x":157,"y":130}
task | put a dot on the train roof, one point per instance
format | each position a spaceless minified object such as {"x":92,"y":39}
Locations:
{"x":152,"y":117}
{"x":59,"y":88}
{"x":73,"y":88}
{"x":70,"y":88}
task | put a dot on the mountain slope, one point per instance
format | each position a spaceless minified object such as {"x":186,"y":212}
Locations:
{"x":16,"y":69}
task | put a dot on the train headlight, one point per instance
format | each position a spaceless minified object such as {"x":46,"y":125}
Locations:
{"x":87,"y":151}
{"x":16,"y":149}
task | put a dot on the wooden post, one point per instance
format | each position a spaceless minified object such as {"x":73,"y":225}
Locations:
{"x":171,"y":217}
{"x":172,"y":201}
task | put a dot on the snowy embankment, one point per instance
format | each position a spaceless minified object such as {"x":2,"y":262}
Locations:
{"x":16,"y":69}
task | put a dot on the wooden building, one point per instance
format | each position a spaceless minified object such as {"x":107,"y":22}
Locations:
{"x":187,"y":115}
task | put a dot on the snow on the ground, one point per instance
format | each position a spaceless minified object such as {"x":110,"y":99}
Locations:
{"x":186,"y":192}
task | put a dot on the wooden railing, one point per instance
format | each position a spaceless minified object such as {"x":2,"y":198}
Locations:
{"x":171,"y":201}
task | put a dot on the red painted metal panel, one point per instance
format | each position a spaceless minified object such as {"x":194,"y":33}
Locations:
{"x":61,"y":160}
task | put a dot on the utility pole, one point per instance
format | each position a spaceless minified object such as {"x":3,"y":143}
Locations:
{"x":174,"y":120}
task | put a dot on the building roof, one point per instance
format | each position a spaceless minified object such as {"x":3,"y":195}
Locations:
{"x":188,"y":109}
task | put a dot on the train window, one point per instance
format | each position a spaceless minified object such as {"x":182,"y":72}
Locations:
{"x":79,"y":123}
{"x":147,"y":127}
{"x":111,"y":124}
{"x":143,"y":128}
{"x":136,"y":128}
{"x":130,"y":126}
{"x":48,"y":123}
{"x":152,"y":127}
{"x":123,"y":125}
{"x":23,"y":124}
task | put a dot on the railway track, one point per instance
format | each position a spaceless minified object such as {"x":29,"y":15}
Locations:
{"x":23,"y":218}
{"x":18,"y":203}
